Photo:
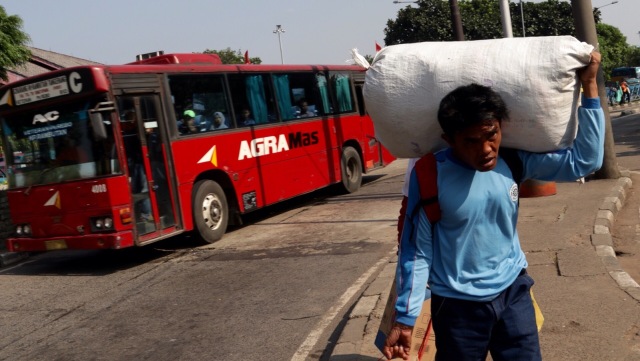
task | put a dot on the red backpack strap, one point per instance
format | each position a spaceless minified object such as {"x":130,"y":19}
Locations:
{"x":427,"y":172}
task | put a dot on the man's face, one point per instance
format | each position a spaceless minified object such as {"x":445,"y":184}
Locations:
{"x":217,"y":120}
{"x":477,"y":146}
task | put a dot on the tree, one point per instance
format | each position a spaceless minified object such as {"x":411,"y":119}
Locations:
{"x":430,"y":21}
{"x":613,"y":47}
{"x":369,"y":58}
{"x":481,"y":19}
{"x":229,"y":56}
{"x":13,"y":48}
{"x":633,"y":56}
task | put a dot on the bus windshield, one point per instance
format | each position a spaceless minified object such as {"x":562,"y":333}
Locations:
{"x":56,"y":145}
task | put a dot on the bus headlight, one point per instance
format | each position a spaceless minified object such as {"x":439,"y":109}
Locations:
{"x":108,"y":223}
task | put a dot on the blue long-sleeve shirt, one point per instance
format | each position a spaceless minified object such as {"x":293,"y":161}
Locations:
{"x":473,"y":252}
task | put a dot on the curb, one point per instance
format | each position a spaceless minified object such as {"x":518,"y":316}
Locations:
{"x":625,"y":109}
{"x":365,"y":316}
{"x":601,"y":237}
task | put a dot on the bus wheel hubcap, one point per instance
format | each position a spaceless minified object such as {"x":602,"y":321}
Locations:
{"x":211,"y":211}
{"x":351,"y":169}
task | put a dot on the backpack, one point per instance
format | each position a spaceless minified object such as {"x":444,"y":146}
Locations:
{"x":427,"y":172}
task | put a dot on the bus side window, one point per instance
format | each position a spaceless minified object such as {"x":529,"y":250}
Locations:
{"x":249,"y":95}
{"x":299,"y":95}
{"x":197,"y":99}
{"x":341,"y":92}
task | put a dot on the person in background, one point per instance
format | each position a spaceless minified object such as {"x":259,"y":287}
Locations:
{"x":471,"y":259}
{"x":304,"y":109}
{"x":187,"y":124}
{"x":626,"y":95}
{"x":219,"y":121}
{"x":245,"y":117}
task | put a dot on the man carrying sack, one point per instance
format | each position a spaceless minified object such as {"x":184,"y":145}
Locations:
{"x":471,"y":258}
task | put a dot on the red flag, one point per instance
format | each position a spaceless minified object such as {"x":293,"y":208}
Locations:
{"x":246,"y":57}
{"x":378,"y":47}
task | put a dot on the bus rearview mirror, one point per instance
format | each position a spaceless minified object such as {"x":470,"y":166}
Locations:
{"x":97,"y":126}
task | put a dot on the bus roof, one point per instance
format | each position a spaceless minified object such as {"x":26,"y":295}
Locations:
{"x":194,"y":63}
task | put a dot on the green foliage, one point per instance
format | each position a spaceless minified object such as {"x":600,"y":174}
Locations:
{"x":481,"y":19}
{"x":613,"y":47}
{"x":549,"y":18}
{"x":633,"y":56}
{"x":430,"y":21}
{"x":369,"y":58}
{"x":13,"y":49}
{"x":229,"y":56}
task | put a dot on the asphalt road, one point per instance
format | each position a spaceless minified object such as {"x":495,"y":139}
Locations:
{"x":274,"y":289}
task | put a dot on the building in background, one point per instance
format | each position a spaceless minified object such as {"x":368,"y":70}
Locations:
{"x":43,"y":61}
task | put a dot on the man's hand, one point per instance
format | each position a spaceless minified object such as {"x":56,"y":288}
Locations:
{"x":588,"y":75}
{"x":398,"y":343}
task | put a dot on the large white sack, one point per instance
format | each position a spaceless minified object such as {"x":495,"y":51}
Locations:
{"x":536,"y":77}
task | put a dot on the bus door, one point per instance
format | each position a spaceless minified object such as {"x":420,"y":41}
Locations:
{"x":144,"y":140}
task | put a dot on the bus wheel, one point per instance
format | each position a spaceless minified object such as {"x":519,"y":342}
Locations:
{"x":351,"y":167}
{"x":210,"y":210}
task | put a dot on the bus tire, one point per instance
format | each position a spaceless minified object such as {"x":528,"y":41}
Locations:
{"x":210,"y":210}
{"x":351,"y":169}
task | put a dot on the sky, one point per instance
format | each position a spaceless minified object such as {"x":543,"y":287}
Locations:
{"x":315,"y":31}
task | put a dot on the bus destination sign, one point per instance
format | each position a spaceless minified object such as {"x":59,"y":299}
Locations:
{"x":45,"y":89}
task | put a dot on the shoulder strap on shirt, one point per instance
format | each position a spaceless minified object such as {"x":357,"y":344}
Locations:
{"x":427,"y":173}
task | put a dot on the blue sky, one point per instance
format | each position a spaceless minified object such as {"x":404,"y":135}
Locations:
{"x":316,"y":31}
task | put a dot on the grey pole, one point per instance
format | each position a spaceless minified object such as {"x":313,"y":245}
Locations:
{"x":505,"y":14}
{"x":522,"y":17}
{"x":456,"y":20}
{"x":586,"y":31}
{"x":279,"y":30}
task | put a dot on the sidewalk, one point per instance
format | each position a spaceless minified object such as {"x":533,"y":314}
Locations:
{"x":591,"y":306}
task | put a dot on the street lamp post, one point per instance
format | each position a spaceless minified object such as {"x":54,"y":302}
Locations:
{"x":600,"y":7}
{"x":404,"y":2}
{"x":279,"y":30}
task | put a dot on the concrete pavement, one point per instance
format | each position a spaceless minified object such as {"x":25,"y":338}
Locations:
{"x":590,"y":304}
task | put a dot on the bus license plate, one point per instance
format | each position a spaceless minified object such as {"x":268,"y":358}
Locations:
{"x":55,"y":244}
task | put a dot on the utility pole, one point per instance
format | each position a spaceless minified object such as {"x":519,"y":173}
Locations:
{"x":458,"y":35}
{"x":586,"y":31}
{"x":505,"y":15}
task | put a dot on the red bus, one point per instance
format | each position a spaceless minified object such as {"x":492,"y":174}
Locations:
{"x":105,"y":157}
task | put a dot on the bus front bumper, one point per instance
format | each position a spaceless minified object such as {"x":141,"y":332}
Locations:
{"x":115,"y":240}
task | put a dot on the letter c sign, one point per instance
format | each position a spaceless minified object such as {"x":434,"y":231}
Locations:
{"x":74,"y":82}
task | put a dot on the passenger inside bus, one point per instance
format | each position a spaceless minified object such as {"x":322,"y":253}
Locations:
{"x":187,"y":125}
{"x":305,"y":110}
{"x":245,"y":117}
{"x":219,"y":121}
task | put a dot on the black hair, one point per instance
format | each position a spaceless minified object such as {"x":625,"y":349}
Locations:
{"x":470,"y":105}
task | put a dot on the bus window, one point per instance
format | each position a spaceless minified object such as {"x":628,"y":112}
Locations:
{"x":252,"y":98}
{"x":59,"y":148}
{"x":201,"y":98}
{"x":299,"y":95}
{"x":341,"y":92}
